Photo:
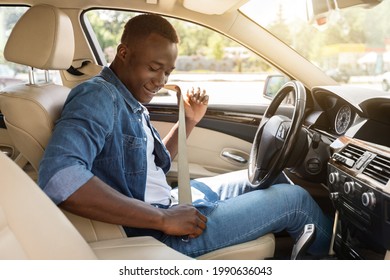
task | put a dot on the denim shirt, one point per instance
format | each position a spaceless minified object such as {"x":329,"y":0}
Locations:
{"x":100,"y":133}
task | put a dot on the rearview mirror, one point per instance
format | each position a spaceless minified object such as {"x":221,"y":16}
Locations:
{"x":318,"y":11}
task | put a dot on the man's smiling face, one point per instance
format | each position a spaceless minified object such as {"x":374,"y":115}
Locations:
{"x":147,"y":65}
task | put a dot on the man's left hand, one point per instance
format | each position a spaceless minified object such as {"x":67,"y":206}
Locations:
{"x":195,"y":104}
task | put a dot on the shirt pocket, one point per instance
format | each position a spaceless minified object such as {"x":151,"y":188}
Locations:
{"x":134,"y":151}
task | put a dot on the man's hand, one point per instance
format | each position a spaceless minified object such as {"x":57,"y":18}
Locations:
{"x":195,"y":104}
{"x":183,"y":220}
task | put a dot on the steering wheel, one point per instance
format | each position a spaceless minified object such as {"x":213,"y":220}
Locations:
{"x":276,"y":137}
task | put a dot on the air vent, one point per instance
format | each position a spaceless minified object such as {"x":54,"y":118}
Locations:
{"x":350,"y":156}
{"x":379,"y":169}
{"x":353,"y":152}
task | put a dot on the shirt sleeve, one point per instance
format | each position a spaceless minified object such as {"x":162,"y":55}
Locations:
{"x":79,"y":135}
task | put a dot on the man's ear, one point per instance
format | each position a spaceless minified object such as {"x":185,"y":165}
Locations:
{"x":122,"y":51}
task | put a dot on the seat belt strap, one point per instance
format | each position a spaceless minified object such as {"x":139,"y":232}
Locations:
{"x":84,"y":67}
{"x":184,"y":187}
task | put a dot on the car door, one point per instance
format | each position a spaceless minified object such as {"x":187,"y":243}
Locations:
{"x":220,"y":143}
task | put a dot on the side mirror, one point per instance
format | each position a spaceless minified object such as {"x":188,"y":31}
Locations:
{"x":272,"y":85}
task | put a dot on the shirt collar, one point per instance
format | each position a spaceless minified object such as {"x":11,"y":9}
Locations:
{"x":110,"y":76}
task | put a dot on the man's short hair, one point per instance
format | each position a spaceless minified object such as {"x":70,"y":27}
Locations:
{"x":143,"y":25}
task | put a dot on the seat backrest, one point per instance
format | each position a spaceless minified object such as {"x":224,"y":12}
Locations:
{"x":30,"y":110}
{"x":29,"y":114}
{"x":31,"y":226}
{"x":43,"y":38}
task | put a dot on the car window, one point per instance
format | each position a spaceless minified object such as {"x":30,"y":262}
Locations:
{"x":11,"y":73}
{"x":206,"y":59}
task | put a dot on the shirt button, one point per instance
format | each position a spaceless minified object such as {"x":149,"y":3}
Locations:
{"x":145,"y":139}
{"x":139,"y":120}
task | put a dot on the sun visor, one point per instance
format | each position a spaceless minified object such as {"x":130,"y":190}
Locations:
{"x":212,"y":7}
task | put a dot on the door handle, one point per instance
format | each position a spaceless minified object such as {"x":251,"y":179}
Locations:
{"x":234,"y":157}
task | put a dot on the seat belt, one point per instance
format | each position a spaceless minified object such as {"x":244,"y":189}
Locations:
{"x":184,"y":188}
{"x":84,"y":67}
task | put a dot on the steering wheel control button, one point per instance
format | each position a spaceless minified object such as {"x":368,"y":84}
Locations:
{"x":282,"y":131}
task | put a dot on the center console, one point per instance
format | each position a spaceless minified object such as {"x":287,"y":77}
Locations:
{"x":358,"y":182}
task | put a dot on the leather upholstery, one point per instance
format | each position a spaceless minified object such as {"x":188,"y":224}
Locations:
{"x":258,"y":249}
{"x":42,"y":38}
{"x":30,"y":112}
{"x":32,"y":227}
{"x":139,"y":248}
{"x":93,"y":231}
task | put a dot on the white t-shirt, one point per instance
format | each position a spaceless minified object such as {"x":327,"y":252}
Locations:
{"x":157,"y":188}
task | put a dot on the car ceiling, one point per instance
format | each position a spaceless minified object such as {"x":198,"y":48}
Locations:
{"x":200,"y":6}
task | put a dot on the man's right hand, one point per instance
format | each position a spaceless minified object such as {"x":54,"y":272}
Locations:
{"x":96,"y":200}
{"x":183,"y":220}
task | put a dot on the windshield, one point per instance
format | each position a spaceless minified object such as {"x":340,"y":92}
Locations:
{"x":351,"y":45}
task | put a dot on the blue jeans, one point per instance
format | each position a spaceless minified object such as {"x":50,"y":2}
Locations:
{"x":238,"y":213}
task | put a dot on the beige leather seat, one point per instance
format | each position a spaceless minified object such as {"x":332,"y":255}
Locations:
{"x":31,"y":110}
{"x":32,"y":227}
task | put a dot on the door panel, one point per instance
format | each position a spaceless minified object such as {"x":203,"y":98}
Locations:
{"x":220,"y":143}
{"x":205,"y":151}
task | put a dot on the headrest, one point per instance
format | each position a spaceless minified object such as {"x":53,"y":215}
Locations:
{"x":42,"y":38}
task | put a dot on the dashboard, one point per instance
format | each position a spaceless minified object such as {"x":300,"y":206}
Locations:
{"x":335,"y":115}
{"x":355,"y":112}
{"x":356,"y":124}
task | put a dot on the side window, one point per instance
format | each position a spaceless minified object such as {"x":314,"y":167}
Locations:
{"x":206,"y":59}
{"x":11,"y":73}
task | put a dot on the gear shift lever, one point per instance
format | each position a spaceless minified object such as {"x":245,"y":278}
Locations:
{"x":303,"y":242}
